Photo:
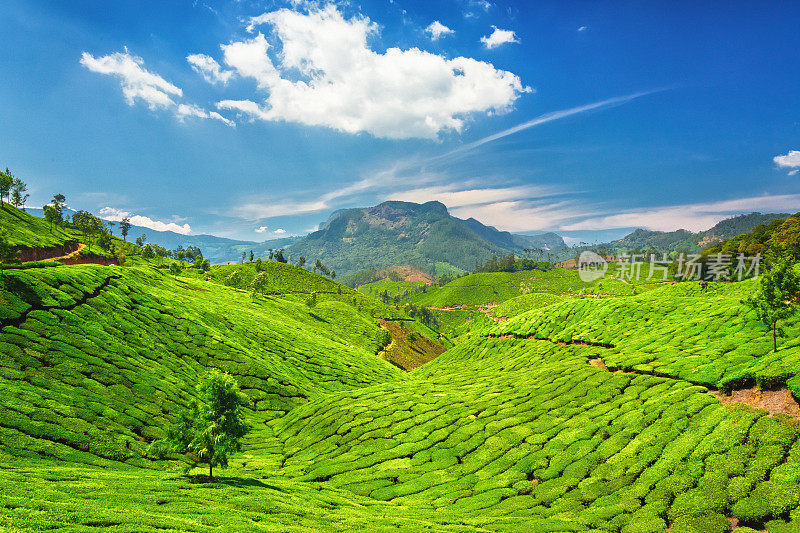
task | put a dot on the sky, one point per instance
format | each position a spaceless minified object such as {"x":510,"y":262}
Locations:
{"x":257,"y":119}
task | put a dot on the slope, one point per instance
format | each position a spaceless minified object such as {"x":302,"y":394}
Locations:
{"x":405,"y":233}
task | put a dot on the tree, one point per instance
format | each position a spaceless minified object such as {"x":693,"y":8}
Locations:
{"x":279,"y":257}
{"x":141,"y":239}
{"x":244,"y":256}
{"x":252,"y":256}
{"x":211,"y":430}
{"x":776,"y":295}
{"x":301,"y":261}
{"x":18,"y":196}
{"x":260,"y":284}
{"x":6,"y":181}
{"x":125,"y":227}
{"x":175,"y":269}
{"x":52,"y":215}
{"x":88,"y":224}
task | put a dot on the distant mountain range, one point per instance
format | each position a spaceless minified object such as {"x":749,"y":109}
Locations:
{"x":684,"y":240}
{"x":405,"y":233}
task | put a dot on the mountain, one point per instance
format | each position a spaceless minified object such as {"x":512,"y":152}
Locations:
{"x":784,"y":233}
{"x":405,"y":233}
{"x":688,"y":241}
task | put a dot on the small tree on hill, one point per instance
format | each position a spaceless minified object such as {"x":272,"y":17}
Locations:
{"x":6,"y":181}
{"x":18,"y":195}
{"x":175,"y":269}
{"x":775,"y":298}
{"x":141,"y":239}
{"x":125,"y":227}
{"x":301,"y":262}
{"x":252,"y":256}
{"x":210,"y":431}
{"x":260,"y":284}
{"x":52,"y":215}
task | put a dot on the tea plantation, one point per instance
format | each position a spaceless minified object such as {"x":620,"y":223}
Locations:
{"x":577,"y":413}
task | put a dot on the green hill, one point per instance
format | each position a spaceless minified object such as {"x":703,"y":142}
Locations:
{"x":594,"y":407}
{"x":686,"y":241}
{"x":24,"y":230}
{"x":404,"y":233}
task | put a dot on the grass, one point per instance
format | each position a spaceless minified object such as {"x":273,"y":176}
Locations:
{"x":510,"y":429}
{"x":27,"y":231}
{"x":497,"y":287}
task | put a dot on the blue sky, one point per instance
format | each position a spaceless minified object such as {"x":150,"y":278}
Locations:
{"x":256,"y":119}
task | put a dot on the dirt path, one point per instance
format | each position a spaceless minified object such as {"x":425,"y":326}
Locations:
{"x":81,"y":246}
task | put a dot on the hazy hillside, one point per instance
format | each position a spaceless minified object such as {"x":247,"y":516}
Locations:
{"x":404,"y":233}
{"x":687,"y":241}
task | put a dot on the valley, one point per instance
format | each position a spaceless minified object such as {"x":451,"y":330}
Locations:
{"x":498,"y":401}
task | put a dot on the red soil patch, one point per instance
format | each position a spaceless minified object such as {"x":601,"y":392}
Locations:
{"x":774,"y":401}
{"x":47,"y":253}
{"x":70,"y":255}
{"x":411,"y":274}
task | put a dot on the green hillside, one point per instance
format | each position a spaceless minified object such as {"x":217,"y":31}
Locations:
{"x":24,"y":230}
{"x":568,"y":406}
{"x":496,"y":287}
{"x":405,"y":233}
{"x":689,"y":242}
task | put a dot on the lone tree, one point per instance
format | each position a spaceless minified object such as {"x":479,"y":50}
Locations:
{"x":260,"y":284}
{"x":211,"y":429}
{"x":6,"y":182}
{"x":775,"y":298}
{"x":18,"y":193}
{"x":52,"y":215}
{"x":125,"y":227}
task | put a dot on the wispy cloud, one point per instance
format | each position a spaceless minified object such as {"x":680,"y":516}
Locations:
{"x":693,"y":217}
{"x":550,"y":117}
{"x":139,"y":84}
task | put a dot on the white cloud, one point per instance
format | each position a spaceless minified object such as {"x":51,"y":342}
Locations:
{"x":436,"y":30}
{"x":793,"y":172}
{"x":140,"y":84}
{"x":790,"y":160}
{"x":116,"y":215}
{"x":499,"y":37}
{"x":345,"y":85}
{"x":583,"y":28}
{"x":208,"y":67}
{"x":276,"y":233}
{"x":693,"y":217}
{"x":453,"y":197}
{"x":136,"y":81}
{"x":189,"y":110}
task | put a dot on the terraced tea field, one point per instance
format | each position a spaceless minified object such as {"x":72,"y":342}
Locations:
{"x":574,"y":414}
